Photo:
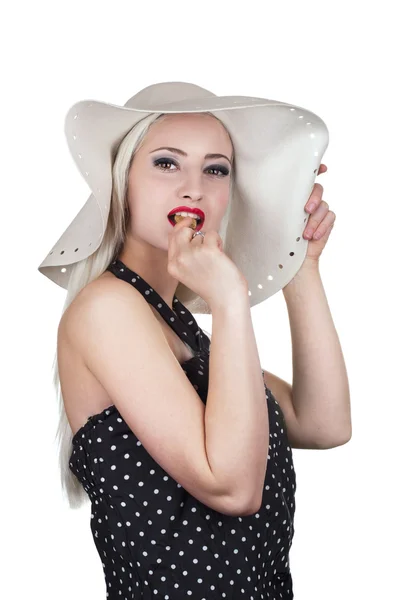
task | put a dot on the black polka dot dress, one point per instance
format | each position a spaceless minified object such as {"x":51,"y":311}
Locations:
{"x":154,"y":539}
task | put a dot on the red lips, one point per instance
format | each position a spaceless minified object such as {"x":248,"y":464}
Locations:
{"x":196,"y":211}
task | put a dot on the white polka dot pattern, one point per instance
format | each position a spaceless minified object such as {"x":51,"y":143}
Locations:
{"x":153,"y":537}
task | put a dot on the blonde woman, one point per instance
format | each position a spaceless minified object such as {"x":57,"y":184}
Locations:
{"x":183,"y":451}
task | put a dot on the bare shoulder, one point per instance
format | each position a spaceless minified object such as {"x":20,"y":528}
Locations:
{"x":106,"y":285}
{"x":105,"y":293}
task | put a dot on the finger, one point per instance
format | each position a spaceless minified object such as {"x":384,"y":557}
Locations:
{"x":322,"y":169}
{"x":315,"y":198}
{"x":197,"y":240}
{"x":212,"y":238}
{"x":326,"y":226}
{"x":182,"y":229}
{"x":315,"y":219}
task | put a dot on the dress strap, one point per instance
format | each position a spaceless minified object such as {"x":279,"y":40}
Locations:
{"x":180,"y":319}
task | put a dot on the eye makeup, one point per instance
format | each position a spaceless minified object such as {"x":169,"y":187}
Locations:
{"x":164,"y":160}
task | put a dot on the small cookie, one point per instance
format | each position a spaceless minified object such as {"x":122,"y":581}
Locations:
{"x":178,"y":219}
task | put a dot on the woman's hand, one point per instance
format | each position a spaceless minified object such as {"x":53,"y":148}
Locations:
{"x":320,"y":222}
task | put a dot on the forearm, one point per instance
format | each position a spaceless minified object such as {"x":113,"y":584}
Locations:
{"x":236,"y":416}
{"x":320,"y":390}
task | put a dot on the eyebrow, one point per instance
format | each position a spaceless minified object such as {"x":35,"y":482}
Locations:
{"x":182,"y":153}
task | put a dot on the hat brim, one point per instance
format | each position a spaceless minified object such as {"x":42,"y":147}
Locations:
{"x":278,"y":148}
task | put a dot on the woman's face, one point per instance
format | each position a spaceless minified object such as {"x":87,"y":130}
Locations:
{"x":161,"y":180}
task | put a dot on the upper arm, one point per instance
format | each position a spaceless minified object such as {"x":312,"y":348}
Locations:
{"x":282,"y":392}
{"x":123,"y":345}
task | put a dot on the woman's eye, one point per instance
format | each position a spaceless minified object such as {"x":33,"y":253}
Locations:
{"x":163,"y":161}
{"x":219,"y":168}
{"x":160,"y":162}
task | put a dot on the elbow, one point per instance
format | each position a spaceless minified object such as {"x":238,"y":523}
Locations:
{"x":252,"y":508}
{"x":335,"y":442}
{"x":246,"y":507}
{"x":344,"y":440}
{"x":243,"y":510}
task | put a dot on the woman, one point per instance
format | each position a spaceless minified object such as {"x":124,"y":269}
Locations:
{"x":182,"y":450}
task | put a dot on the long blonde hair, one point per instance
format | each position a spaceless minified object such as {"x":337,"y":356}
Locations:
{"x":85,"y":271}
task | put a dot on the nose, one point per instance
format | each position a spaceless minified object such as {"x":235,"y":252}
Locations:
{"x":192,"y":188}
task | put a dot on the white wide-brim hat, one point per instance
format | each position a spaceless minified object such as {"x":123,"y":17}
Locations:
{"x":278,"y":148}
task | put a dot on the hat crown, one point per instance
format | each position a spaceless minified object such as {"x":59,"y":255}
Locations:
{"x":166,"y":92}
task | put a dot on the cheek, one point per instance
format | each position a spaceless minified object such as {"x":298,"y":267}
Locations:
{"x":223,"y":202}
{"x":148,"y":209}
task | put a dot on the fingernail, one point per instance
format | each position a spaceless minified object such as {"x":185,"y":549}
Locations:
{"x":311,"y":206}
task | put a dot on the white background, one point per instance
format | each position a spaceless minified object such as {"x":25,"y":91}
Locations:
{"x":339,"y":60}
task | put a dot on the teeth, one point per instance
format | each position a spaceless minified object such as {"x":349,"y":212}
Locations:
{"x":187,"y":214}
